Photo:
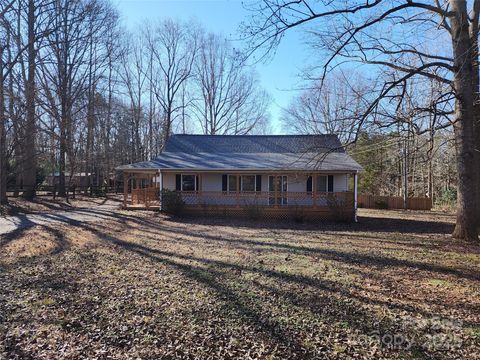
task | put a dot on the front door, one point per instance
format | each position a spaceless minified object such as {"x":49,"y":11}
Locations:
{"x":277,"y":188}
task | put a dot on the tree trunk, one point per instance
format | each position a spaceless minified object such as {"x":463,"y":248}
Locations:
{"x":476,"y":88}
{"x":30,"y":174}
{"x":466,"y":226}
{"x":3,"y":138}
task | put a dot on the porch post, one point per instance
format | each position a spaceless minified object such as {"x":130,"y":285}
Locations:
{"x":200,"y":185}
{"x":161,"y":190}
{"x":238,"y":190}
{"x":355,"y":181}
{"x":314,"y":190}
{"x":275,"y":185}
{"x":125,"y":189}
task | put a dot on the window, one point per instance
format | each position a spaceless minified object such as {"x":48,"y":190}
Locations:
{"x":325,"y":183}
{"x":189,"y":183}
{"x":248,"y":183}
{"x":232,"y":183}
{"x":322,"y":183}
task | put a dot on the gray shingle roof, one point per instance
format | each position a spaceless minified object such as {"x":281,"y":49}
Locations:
{"x":251,"y":152}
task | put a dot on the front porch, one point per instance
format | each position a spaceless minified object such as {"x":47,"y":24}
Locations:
{"x":245,"y":194}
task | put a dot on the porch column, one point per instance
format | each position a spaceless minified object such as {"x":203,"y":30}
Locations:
{"x":276,"y":190}
{"x":314,"y":190}
{"x":125,"y":189}
{"x":200,"y":186}
{"x":355,"y":187}
{"x":161,"y":190}
{"x":238,"y":190}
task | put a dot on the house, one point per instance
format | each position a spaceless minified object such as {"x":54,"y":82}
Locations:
{"x":278,"y":176}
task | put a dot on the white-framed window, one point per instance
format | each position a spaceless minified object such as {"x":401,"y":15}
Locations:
{"x":189,"y":183}
{"x":325,"y":183}
{"x":322,"y":183}
{"x":232,"y":183}
{"x":248,"y":183}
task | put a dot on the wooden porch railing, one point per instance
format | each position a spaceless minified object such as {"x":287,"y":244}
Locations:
{"x":268,"y":199}
{"x":148,"y":196}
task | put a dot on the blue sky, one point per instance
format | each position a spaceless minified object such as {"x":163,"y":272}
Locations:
{"x":278,"y":76}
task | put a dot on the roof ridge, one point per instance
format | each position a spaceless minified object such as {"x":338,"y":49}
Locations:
{"x":252,"y":135}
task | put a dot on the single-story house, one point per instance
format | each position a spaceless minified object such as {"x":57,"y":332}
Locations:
{"x":278,"y":175}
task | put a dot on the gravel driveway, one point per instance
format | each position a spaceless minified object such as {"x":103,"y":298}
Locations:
{"x":23,"y":221}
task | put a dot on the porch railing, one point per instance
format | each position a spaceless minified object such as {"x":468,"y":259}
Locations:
{"x":267,"y":199}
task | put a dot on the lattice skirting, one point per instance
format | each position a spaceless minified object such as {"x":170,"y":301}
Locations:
{"x":279,"y":213}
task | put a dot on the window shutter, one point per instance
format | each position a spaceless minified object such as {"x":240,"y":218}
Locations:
{"x":330,"y":183}
{"x":178,"y":182}
{"x":197,"y":183}
{"x":309,"y":184}
{"x":224,"y":182}
{"x":259,"y":183}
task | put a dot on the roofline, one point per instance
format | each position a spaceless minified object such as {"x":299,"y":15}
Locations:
{"x":252,"y":135}
{"x":235,"y":170}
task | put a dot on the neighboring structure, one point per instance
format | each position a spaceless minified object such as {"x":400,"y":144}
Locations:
{"x":283,"y":175}
{"x":78,"y":179}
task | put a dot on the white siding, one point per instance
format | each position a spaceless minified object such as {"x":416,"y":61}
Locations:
{"x":340,"y":183}
{"x":296,"y":183}
{"x":212,"y":182}
{"x":169,"y":181}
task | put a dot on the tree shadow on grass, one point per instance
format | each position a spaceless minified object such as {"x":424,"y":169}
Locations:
{"x":365,"y":224}
{"x":24,"y":224}
{"x":348,"y":257}
{"x":212,"y":275}
{"x":216,"y":275}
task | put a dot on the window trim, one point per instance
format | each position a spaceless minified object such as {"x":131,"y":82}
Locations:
{"x":317,"y":183}
{"x":254,"y":184}
{"x":327,"y":183}
{"x":228,"y":183}
{"x":240,"y":183}
{"x":194,"y":182}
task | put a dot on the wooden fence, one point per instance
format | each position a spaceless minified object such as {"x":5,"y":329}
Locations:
{"x":71,"y":191}
{"x":393,"y":202}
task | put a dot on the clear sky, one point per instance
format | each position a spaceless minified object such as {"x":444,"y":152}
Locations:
{"x":278,"y":76}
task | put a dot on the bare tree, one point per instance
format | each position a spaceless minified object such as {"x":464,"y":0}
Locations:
{"x":230,"y":100}
{"x":30,"y":166}
{"x":66,"y":78}
{"x":171,"y":47}
{"x":329,"y":107}
{"x":134,"y":79}
{"x":358,"y":35}
{"x":6,"y":68}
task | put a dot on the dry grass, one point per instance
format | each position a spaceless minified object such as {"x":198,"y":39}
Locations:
{"x":46,"y":204}
{"x":145,"y":286}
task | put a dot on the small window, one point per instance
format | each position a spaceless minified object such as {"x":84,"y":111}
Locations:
{"x":232,"y":183}
{"x":248,"y":183}
{"x":322,"y":183}
{"x":189,"y":183}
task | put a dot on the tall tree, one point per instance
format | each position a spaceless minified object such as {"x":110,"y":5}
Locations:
{"x":172,"y":47}
{"x":30,"y":166}
{"x":230,"y":101}
{"x":67,"y":79}
{"x":329,"y":107}
{"x":5,"y":68}
{"x":358,"y":36}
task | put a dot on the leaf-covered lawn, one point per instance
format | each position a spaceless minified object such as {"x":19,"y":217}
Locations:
{"x":143,"y":286}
